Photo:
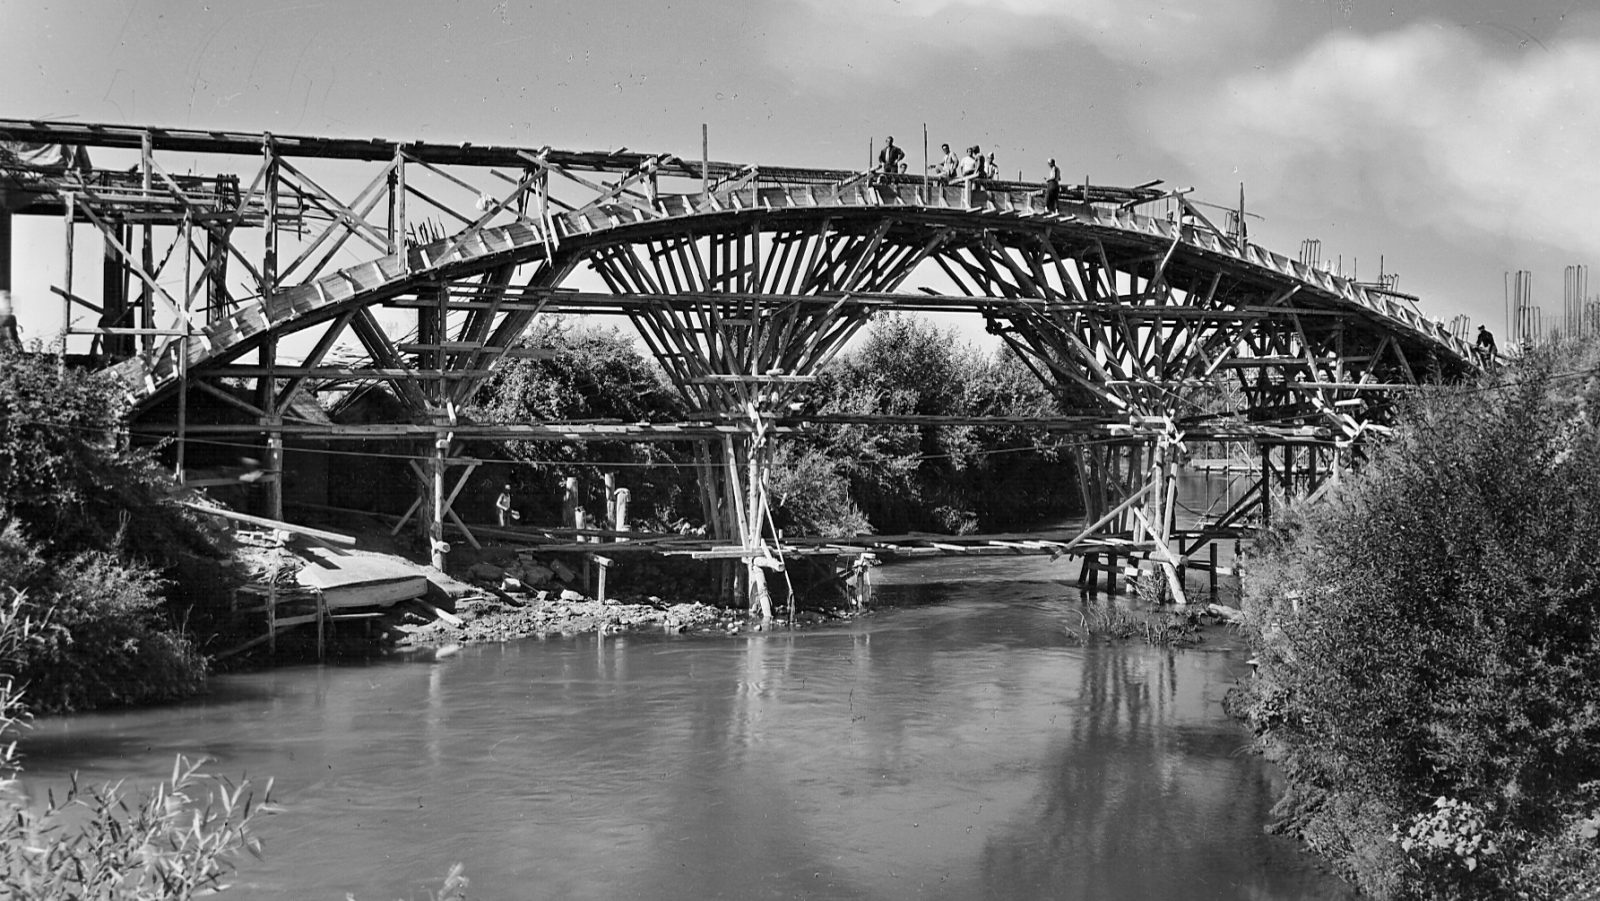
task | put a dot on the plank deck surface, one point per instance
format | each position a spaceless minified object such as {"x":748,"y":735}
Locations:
{"x":359,"y":579}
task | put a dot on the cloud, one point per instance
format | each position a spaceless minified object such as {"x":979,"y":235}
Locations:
{"x":1424,"y":124}
{"x":897,"y":38}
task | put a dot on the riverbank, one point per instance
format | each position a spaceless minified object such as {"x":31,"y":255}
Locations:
{"x":489,"y":594}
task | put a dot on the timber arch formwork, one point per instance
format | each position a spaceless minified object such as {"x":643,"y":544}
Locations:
{"x":420,"y":266}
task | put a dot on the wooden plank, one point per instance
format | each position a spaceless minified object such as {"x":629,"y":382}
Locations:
{"x":445,"y":615}
{"x":318,"y":534}
{"x":375,"y":594}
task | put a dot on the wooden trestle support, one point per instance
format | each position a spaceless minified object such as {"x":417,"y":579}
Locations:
{"x":1155,"y":329}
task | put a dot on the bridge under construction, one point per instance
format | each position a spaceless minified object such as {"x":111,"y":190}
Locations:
{"x":296,"y":264}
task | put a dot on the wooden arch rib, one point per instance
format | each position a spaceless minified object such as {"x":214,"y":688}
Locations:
{"x":898,"y":222}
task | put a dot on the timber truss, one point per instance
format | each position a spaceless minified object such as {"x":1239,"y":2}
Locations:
{"x":325,"y":264}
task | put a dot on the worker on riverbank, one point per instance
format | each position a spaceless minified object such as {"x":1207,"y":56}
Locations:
{"x":503,"y":513}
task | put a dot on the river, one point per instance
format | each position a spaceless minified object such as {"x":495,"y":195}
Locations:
{"x":954,"y":745}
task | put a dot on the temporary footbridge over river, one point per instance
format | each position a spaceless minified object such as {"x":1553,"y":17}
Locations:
{"x":311,"y":261}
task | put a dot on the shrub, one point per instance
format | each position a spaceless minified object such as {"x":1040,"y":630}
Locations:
{"x":947,"y":478}
{"x":176,"y":841}
{"x":1433,"y":630}
{"x":811,"y":496}
{"x":64,"y":477}
{"x":589,"y":373}
{"x":102,"y":641}
{"x":89,"y":534}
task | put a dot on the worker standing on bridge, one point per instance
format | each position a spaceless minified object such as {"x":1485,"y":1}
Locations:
{"x":968,"y":168}
{"x":1486,"y":347}
{"x":945,"y":168}
{"x":1052,"y":185}
{"x":891,"y":159}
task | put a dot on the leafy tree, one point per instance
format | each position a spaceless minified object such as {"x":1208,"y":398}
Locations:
{"x":946,"y":478}
{"x":1429,"y":645}
{"x":89,"y":534}
{"x":588,"y":373}
{"x":838,"y":480}
{"x":810,"y":494}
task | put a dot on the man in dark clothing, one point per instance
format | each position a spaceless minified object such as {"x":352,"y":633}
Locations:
{"x":1052,"y":186}
{"x":890,"y":157}
{"x":1486,"y":347}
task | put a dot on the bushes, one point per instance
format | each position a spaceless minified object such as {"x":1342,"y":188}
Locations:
{"x":101,"y":639}
{"x":947,"y":478}
{"x":108,"y":564}
{"x":174,"y":842}
{"x":1429,"y":644}
{"x":589,"y":373}
{"x":811,"y":494}
{"x":834,"y":479}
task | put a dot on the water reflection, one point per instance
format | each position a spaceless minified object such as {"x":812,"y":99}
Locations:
{"x":959,"y":749}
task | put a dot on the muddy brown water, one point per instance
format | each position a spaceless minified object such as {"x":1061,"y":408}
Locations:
{"x":957,"y":744}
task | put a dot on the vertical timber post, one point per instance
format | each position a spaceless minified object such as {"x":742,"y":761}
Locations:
{"x":619,"y":513}
{"x":267,"y":399}
{"x":569,"y":502}
{"x":436,"y":545}
{"x":1266,"y":483}
{"x":275,"y":468}
{"x":217,"y":238}
{"x":146,"y":246}
{"x":1165,"y":466}
{"x":183,"y":366}
{"x":5,"y":249}
{"x":69,"y":205}
{"x":269,"y":256}
{"x":397,"y":206}
{"x":735,"y":513}
{"x":114,"y":293}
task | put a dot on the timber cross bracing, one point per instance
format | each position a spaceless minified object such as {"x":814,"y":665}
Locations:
{"x":335,"y":262}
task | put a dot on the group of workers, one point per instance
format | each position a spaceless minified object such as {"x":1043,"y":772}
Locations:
{"x":971,"y":166}
{"x":949,"y":168}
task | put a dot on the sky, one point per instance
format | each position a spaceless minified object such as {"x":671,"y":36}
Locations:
{"x":1456,"y":139}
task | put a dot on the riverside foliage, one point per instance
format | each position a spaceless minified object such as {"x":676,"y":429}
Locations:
{"x":948,"y":478}
{"x":105,"y":563}
{"x":831,"y":480}
{"x":174,"y":842}
{"x":1429,"y":646}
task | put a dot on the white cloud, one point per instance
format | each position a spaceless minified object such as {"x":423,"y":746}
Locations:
{"x":1422,"y":124}
{"x":885,"y":37}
